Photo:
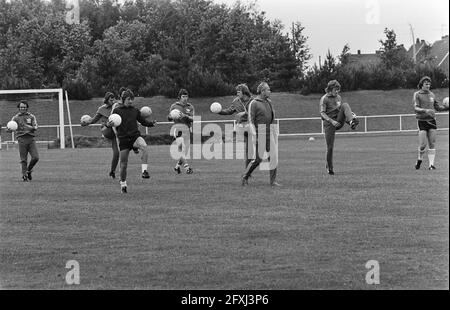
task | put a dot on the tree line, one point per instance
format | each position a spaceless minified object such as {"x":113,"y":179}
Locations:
{"x":155,"y":47}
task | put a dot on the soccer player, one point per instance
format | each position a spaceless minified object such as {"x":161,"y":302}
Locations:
{"x":260,"y":112}
{"x":103,"y":112}
{"x":129,"y":136}
{"x":335,"y":114}
{"x":26,"y":132}
{"x":425,"y":106}
{"x":186,"y":118}
{"x":240,"y":106}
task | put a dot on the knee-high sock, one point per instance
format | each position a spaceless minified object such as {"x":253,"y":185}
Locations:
{"x":431,"y":156}
{"x":421,"y":152}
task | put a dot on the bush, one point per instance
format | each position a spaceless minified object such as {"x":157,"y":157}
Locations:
{"x":78,"y":89}
{"x":203,"y":83}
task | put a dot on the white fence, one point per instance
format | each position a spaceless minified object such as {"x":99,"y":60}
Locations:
{"x":364,"y":126}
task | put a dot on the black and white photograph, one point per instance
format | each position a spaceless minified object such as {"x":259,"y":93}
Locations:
{"x":224,"y":150}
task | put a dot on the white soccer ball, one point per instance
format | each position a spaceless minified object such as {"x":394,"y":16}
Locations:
{"x":85,"y":119}
{"x":445,"y":102}
{"x":12,"y":125}
{"x":115,"y":119}
{"x":175,"y":114}
{"x":311,"y":139}
{"x":215,"y":107}
{"x":146,"y":112}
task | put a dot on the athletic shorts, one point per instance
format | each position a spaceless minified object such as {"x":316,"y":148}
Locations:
{"x":127,"y":143}
{"x":427,"y":125}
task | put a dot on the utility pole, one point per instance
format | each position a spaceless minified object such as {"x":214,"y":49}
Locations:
{"x":414,"y":43}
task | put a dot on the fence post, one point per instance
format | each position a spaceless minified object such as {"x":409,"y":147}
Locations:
{"x":365,"y":123}
{"x":400,"y":122}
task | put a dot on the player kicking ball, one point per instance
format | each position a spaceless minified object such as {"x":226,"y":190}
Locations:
{"x":425,"y":106}
{"x":334,"y":114}
{"x":129,"y":137}
{"x":182,"y":114}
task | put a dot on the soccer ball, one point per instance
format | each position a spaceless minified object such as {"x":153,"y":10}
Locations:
{"x":311,"y":139}
{"x":445,"y":102}
{"x":115,"y":119}
{"x":146,"y":112}
{"x":12,"y":125}
{"x":215,"y":107}
{"x":85,"y":119}
{"x":175,"y":114}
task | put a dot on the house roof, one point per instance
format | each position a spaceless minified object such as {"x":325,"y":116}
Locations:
{"x":438,"y":52}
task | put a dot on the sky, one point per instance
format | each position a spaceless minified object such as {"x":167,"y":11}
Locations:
{"x":330,"y":24}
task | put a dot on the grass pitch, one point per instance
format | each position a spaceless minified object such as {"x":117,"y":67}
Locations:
{"x":204,"y":231}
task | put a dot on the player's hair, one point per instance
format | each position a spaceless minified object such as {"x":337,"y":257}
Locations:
{"x":422,"y":80}
{"x":121,"y":90}
{"x":24,"y":102}
{"x":182,"y":92}
{"x":260,"y":87}
{"x":244,"y":89}
{"x":126,"y":94}
{"x":108,"y":95}
{"x":332,"y":84}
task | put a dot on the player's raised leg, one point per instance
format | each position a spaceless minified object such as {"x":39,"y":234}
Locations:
{"x":346,"y":115}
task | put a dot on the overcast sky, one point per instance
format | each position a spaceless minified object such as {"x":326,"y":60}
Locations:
{"x":330,"y":24}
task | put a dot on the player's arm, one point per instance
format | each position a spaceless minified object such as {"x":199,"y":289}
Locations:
{"x":438,"y":107}
{"x":93,"y":120}
{"x":190,"y":118}
{"x":323,"y":108}
{"x":228,"y":111}
{"x":416,"y":104}
{"x":252,"y":117}
{"x":34,"y":124}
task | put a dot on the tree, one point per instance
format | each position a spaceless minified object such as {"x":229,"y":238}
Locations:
{"x":300,"y":48}
{"x":345,"y":55}
{"x":392,"y":54}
